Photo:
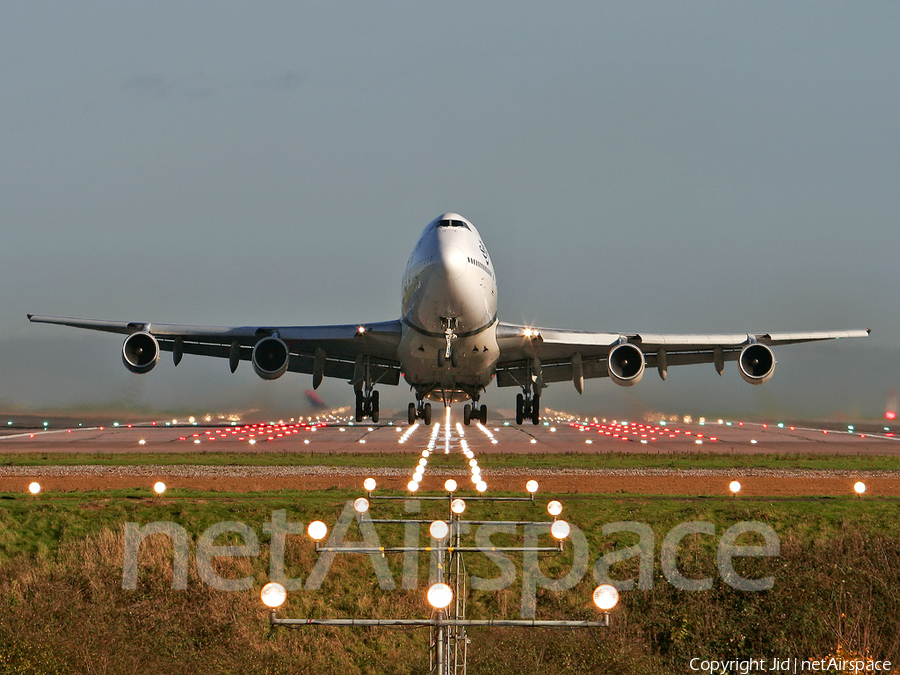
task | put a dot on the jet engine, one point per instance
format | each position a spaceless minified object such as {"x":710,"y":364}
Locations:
{"x":757,"y":363}
{"x":626,"y":365}
{"x":140,"y":352}
{"x":271,"y":357}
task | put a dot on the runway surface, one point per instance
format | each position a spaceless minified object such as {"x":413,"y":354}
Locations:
{"x":447,"y":443}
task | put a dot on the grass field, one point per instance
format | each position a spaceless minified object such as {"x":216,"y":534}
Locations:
{"x":609,"y":460}
{"x":63,"y":608}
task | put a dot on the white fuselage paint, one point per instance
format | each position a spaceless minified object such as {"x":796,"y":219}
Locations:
{"x":449,"y":277}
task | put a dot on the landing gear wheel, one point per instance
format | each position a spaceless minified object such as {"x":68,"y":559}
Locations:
{"x":536,"y":410}
{"x":360,"y":407}
{"x":454,"y":359}
{"x":426,"y":414}
{"x":374,"y":407}
{"x":411,"y":414}
{"x":520,"y":408}
{"x":467,"y":414}
{"x":483,"y":415}
{"x":442,"y":359}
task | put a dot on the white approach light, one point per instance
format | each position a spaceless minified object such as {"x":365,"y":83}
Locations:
{"x":369,"y":484}
{"x":450,"y":485}
{"x":554,"y":508}
{"x":606,"y":597}
{"x":531,"y":486}
{"x":159,"y":487}
{"x":317,"y":530}
{"x":34,"y":488}
{"x":473,"y":462}
{"x":439,"y":529}
{"x":560,"y":529}
{"x":273,"y":595}
{"x":440,"y":596}
{"x":361,"y":505}
{"x":481,"y":486}
{"x":457,"y":506}
{"x":412,"y":486}
{"x":417,"y":478}
{"x":734,"y":486}
{"x":859,"y":487}
{"x":423,"y":462}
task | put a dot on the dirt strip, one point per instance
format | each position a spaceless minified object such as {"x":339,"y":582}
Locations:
{"x":788,"y":483}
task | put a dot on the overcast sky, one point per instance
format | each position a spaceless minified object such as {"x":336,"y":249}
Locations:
{"x":672,"y":167}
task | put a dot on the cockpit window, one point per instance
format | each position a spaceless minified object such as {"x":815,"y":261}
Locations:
{"x":453,"y":223}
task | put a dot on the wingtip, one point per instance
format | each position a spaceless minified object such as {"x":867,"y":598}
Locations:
{"x":868,"y":331}
{"x":29,"y":316}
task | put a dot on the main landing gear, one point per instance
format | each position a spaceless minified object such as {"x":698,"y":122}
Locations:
{"x":473,"y":412}
{"x":528,"y":406}
{"x":420,"y":411}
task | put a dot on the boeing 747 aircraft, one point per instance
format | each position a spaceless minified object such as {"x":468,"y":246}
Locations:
{"x":448,"y":344}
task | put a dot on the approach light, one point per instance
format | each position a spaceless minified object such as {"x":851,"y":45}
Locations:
{"x":439,"y":529}
{"x":412,"y":486}
{"x":369,"y":484}
{"x":560,"y":529}
{"x":450,"y":485}
{"x":34,"y":488}
{"x":473,"y":462}
{"x":859,"y":487}
{"x":159,"y":487}
{"x":361,"y":505}
{"x":423,"y":462}
{"x":458,"y":506}
{"x":481,"y":486}
{"x":734,"y":486}
{"x":440,"y":596}
{"x":531,"y":486}
{"x":606,"y":597}
{"x":554,"y":508}
{"x":317,"y":530}
{"x":273,"y":595}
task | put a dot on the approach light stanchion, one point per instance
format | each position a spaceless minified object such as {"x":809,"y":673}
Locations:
{"x":446,"y":597}
{"x":317,"y":531}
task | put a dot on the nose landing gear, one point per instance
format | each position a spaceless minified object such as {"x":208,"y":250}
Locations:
{"x":528,"y":406}
{"x":367,"y":406}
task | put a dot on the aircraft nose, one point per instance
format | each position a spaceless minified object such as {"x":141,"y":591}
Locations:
{"x":453,"y":261}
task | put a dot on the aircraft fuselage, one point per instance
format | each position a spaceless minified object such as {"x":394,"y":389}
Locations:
{"x":449,"y":295}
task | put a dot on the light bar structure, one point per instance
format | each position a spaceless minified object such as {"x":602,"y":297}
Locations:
{"x":448,"y":638}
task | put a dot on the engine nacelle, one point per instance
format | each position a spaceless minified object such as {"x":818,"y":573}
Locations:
{"x":140,"y":352}
{"x":756,"y":363}
{"x":271,"y":357}
{"x":625,"y":365}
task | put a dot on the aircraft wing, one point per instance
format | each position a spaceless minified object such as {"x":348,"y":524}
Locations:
{"x":555,"y":355}
{"x":339,"y":349}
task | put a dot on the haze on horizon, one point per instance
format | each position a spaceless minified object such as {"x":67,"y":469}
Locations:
{"x":661,"y":167}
